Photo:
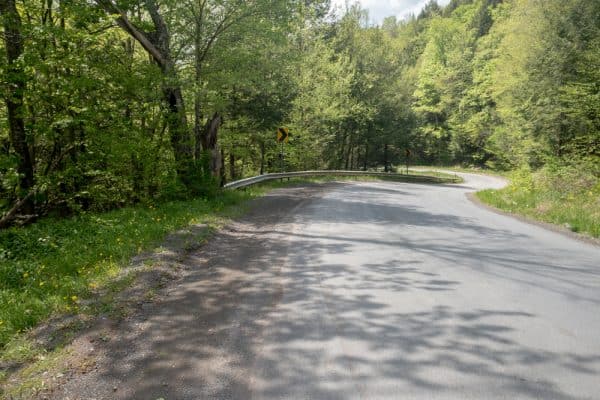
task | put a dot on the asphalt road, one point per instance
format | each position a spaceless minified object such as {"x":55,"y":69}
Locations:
{"x":367,"y":290}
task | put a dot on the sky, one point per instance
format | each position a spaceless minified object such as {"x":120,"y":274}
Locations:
{"x":379,"y":9}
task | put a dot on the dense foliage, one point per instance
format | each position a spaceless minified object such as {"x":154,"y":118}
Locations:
{"x":111,"y":103}
{"x":555,"y":193}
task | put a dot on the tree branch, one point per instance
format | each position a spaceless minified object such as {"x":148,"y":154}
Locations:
{"x":223,"y":25}
{"x":10,"y":215}
{"x":136,"y":33}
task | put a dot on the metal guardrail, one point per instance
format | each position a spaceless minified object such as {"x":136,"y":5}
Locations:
{"x":242,"y":183}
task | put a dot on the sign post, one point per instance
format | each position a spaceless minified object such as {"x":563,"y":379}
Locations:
{"x":283,"y":136}
{"x":407,"y":160}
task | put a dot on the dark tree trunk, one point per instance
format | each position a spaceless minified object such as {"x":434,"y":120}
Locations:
{"x":262,"y":158}
{"x":365,"y":160}
{"x":386,"y":167}
{"x":181,"y":139}
{"x":347,"y":155}
{"x":198,"y":131}
{"x":210,"y":144}
{"x":342,"y":152}
{"x":15,"y":90}
{"x":178,"y":129}
{"x":350,"y":152}
{"x":232,"y":166}
{"x":221,"y":170}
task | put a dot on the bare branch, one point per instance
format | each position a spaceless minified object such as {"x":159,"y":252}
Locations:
{"x":11,"y":214}
{"x":227,"y":22}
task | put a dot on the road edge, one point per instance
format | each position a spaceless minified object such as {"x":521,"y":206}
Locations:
{"x":472,"y":196}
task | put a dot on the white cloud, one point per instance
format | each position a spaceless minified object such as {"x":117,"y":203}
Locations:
{"x":379,"y":9}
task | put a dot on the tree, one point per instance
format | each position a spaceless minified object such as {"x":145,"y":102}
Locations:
{"x":15,"y":78}
{"x":157,"y":43}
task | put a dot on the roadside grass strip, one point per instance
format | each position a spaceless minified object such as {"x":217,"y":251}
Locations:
{"x":54,"y":265}
{"x":570,"y":199}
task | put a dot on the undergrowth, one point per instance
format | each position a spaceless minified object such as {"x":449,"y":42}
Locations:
{"x":567,"y":195}
{"x":51,"y":266}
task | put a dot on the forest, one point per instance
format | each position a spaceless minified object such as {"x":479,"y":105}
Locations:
{"x":108,"y":104}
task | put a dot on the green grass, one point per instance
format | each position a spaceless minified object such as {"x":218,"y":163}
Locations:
{"x":443,"y":177}
{"x":566,"y":196}
{"x":470,"y":170}
{"x":52,"y":266}
{"x":437,"y":174}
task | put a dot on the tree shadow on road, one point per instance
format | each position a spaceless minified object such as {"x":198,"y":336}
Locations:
{"x":259,"y":314}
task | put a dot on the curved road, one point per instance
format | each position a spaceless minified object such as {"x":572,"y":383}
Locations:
{"x":366,"y":290}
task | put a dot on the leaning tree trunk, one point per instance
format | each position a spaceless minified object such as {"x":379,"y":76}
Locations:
{"x":15,"y":88}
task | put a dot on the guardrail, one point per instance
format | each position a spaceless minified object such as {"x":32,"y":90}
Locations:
{"x":242,"y":183}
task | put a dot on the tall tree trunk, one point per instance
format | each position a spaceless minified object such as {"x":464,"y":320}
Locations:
{"x":222,"y":168}
{"x":15,"y":89}
{"x":210,"y":144}
{"x":386,"y":167}
{"x":178,"y":129}
{"x":365,"y":160}
{"x":340,"y":160}
{"x":349,"y":152}
{"x":232,"y":166}
{"x":181,"y":139}
{"x":262,"y":157}
{"x":198,"y":117}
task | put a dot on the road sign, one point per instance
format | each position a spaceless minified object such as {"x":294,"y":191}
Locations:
{"x":283,"y":135}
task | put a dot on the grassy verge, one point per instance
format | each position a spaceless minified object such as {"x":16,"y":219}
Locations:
{"x":469,"y":170}
{"x":439,"y":177}
{"x":565,"y":196}
{"x":437,"y":174}
{"x":54,"y":266}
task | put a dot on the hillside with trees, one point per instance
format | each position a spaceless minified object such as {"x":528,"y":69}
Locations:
{"x":109,"y":104}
